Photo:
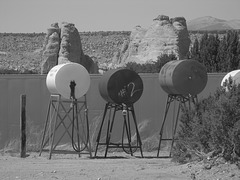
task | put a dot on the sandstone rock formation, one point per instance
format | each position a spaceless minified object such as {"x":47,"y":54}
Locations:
{"x":63,"y":45}
{"x":70,"y":47}
{"x":51,"y":48}
{"x":164,"y":36}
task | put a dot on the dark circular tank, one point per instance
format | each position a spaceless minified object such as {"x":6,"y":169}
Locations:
{"x":121,"y":86}
{"x":183,"y":77}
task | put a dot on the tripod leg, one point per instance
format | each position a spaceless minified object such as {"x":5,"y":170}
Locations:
{"x":77,"y":123}
{"x":126,"y":125}
{"x":194,"y":99}
{"x":55,"y":117}
{"x":109,"y":130}
{"x":137,"y":132}
{"x":169,"y":99}
{"x":175,"y":128}
{"x":100,"y":130}
{"x":88,"y":143}
{"x":128,"y":128}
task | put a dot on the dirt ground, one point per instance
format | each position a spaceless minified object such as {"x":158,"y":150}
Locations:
{"x":116,"y":166}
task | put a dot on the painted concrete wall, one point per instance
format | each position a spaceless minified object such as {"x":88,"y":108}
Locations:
{"x":148,"y":109}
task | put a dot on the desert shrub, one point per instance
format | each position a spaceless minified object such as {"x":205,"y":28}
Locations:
{"x":211,"y":128}
{"x":8,"y":71}
{"x":19,"y":71}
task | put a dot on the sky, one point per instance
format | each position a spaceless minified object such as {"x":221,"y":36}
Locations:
{"x":28,"y":16}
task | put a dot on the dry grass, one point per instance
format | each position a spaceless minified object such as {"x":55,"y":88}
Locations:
{"x":33,"y":135}
{"x":149,"y":139}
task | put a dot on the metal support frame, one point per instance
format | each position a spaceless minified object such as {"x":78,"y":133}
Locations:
{"x":59,"y":111}
{"x":128,"y":147}
{"x":183,"y":102}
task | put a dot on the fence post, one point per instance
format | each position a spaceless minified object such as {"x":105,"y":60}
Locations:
{"x":23,"y":125}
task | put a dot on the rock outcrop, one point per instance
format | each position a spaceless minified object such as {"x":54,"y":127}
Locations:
{"x":51,"y":48}
{"x":70,"y":47}
{"x":63,"y":45}
{"x":164,"y":36}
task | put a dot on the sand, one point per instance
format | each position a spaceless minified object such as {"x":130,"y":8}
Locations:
{"x":117,"y":165}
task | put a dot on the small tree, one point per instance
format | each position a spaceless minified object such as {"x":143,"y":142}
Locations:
{"x":195,"y":50}
{"x":153,"y":67}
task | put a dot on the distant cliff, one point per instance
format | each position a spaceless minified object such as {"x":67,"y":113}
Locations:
{"x":209,"y":23}
{"x":22,"y":52}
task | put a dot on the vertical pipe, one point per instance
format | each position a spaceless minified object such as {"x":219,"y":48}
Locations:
{"x":23,"y":125}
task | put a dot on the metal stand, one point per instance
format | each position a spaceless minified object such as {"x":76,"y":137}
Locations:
{"x":59,"y":110}
{"x":128,"y":147}
{"x":183,"y":101}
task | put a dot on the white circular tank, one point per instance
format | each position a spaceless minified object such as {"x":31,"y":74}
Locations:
{"x":60,"y":76}
{"x":235,"y":75}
